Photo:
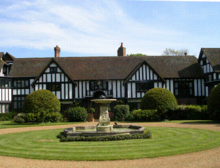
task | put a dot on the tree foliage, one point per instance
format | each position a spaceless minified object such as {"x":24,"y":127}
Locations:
{"x":213,"y":103}
{"x":134,"y":55}
{"x":173,"y":52}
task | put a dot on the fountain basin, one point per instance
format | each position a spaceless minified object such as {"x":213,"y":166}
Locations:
{"x":87,"y":131}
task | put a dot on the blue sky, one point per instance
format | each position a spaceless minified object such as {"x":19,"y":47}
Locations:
{"x":32,"y":28}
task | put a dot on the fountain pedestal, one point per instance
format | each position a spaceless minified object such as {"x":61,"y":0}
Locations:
{"x":104,"y":120}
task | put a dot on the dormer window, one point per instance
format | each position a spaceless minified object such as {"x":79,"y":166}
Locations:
{"x":53,"y":69}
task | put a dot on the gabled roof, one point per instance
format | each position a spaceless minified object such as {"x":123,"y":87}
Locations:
{"x":8,"y":57}
{"x":50,"y":62}
{"x":1,"y":55}
{"x":2,"y":63}
{"x":213,"y":55}
{"x":94,"y":68}
{"x":28,"y":67}
{"x":138,"y":66}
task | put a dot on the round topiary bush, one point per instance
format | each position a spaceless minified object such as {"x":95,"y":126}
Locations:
{"x":76,"y":114}
{"x":159,"y":99}
{"x":214,"y":103}
{"x":41,"y":103}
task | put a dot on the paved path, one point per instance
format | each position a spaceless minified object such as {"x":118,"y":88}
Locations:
{"x":204,"y":159}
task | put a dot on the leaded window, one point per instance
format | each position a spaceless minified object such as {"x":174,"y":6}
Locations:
{"x":54,"y":87}
{"x":143,"y":87}
{"x":21,"y":83}
{"x":183,"y":88}
{"x":98,"y":85}
{"x":53,"y":69}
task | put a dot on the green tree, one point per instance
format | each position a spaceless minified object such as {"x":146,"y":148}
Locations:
{"x":134,"y":55}
{"x":173,"y":52}
{"x":214,"y":104}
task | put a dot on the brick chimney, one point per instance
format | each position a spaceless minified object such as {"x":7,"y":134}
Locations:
{"x":121,"y":50}
{"x":57,"y":51}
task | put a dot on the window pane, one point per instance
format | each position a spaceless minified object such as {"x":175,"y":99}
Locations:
{"x":176,"y":85}
{"x":22,"y":83}
{"x":190,"y":84}
{"x":15,"y":83}
{"x":7,"y":108}
{"x":176,"y":92}
{"x":9,"y":84}
{"x":19,"y":83}
{"x":26,"y":83}
{"x":15,"y":105}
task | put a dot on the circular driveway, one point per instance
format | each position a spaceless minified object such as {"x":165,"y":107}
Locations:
{"x":204,"y":159}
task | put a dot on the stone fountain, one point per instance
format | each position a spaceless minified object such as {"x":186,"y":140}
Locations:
{"x":103,"y":128}
{"x":104,"y":120}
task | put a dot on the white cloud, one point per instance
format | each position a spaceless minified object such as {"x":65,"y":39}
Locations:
{"x":94,"y":27}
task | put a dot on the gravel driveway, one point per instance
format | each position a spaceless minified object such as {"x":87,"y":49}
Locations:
{"x":204,"y":159}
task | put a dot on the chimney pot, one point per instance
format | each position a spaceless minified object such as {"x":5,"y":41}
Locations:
{"x":121,"y":50}
{"x":57,"y":51}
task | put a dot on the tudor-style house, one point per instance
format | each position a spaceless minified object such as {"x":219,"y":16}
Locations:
{"x":122,"y":77}
{"x":209,"y":59}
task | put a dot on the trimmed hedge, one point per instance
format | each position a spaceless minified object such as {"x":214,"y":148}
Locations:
{"x":146,"y":135}
{"x":144,"y":115}
{"x":159,"y":99}
{"x":121,"y":112}
{"x":41,"y":103}
{"x":7,"y":116}
{"x":214,"y":103}
{"x":53,"y":117}
{"x":76,"y":114}
{"x":190,"y":112}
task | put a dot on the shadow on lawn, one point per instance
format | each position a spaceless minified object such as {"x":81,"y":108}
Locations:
{"x":202,"y":122}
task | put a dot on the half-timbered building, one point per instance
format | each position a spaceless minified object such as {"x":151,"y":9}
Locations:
{"x":126,"y":78}
{"x":209,"y":59}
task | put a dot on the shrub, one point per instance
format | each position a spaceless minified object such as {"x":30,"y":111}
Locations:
{"x":32,"y":117}
{"x":193,"y":112}
{"x":144,"y":115}
{"x":189,"y":112}
{"x":121,"y":112}
{"x":145,"y":135}
{"x":92,"y":110}
{"x":53,"y":117}
{"x":159,"y":99}
{"x":7,"y":116}
{"x":41,"y":101}
{"x":214,"y":104}
{"x":19,"y":118}
{"x":76,"y":114}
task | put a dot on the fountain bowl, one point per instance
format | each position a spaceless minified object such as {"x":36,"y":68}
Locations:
{"x":87,"y":131}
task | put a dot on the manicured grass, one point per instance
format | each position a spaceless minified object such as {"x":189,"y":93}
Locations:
{"x":193,"y":121}
{"x":11,"y":124}
{"x":165,"y":141}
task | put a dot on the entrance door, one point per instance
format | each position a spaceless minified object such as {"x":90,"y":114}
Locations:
{"x":97,"y":111}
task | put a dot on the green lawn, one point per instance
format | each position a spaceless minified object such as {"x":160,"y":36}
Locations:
{"x":11,"y":124}
{"x":165,"y":141}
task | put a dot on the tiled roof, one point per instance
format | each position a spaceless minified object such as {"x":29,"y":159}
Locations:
{"x":2,"y":63}
{"x":1,"y":54}
{"x":213,"y":55}
{"x":28,"y":67}
{"x":93,"y":68}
